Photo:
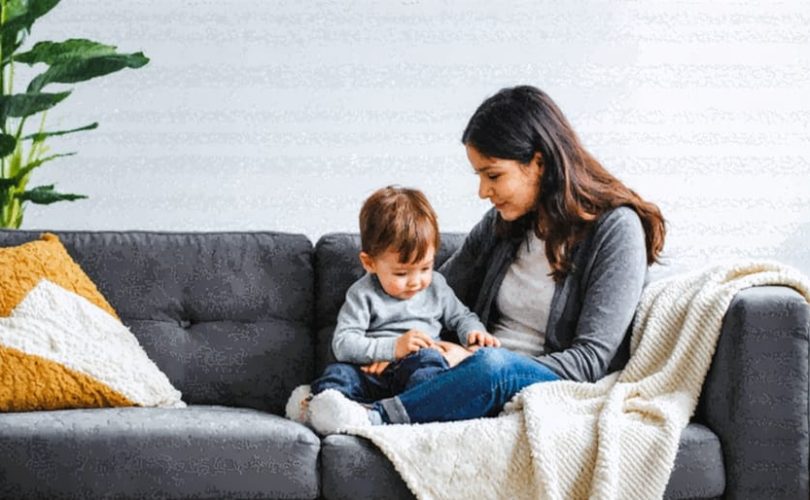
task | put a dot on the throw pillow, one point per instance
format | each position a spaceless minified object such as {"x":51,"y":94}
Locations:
{"x":61,"y":343}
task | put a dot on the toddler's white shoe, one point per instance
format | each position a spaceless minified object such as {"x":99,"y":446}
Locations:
{"x":298,"y":405}
{"x":330,"y":411}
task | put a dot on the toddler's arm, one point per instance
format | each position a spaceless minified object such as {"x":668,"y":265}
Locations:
{"x":456,"y":316}
{"x":350,"y":343}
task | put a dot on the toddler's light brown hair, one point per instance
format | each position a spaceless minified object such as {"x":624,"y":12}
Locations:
{"x":400,"y":219}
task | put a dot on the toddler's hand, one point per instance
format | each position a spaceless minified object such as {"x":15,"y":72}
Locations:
{"x":482,"y":339}
{"x":375,"y":368}
{"x":412,"y":341}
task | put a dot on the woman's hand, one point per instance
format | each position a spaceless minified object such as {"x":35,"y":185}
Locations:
{"x":375,"y":368}
{"x":453,"y":353}
{"x":482,"y":339}
{"x":412,"y":341}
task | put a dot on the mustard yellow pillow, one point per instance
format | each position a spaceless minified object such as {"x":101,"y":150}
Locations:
{"x":62,"y":344}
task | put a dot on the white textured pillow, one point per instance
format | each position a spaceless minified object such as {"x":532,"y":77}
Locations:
{"x":59,"y":350}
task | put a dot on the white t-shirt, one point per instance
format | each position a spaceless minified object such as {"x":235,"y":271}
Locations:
{"x":524,"y":300}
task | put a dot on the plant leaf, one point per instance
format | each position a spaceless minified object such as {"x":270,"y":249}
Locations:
{"x":82,"y":69}
{"x":21,"y":16}
{"x":20,"y":105}
{"x":34,"y":164}
{"x":52,"y":53}
{"x":23,"y":13}
{"x":45,"y":195}
{"x":7,"y":182}
{"x":40,"y":136}
{"x":7,"y":144}
{"x":15,"y":8}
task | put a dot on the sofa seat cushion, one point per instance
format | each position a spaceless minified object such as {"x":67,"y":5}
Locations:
{"x":198,"y":451}
{"x":353,"y":467}
{"x":699,"y":471}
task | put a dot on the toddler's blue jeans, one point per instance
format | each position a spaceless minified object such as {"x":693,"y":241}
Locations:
{"x":400,"y":375}
{"x":478,"y":387}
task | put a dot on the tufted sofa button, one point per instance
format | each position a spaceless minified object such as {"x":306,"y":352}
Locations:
{"x":184,"y":323}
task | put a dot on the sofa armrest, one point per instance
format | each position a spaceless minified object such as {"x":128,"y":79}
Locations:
{"x":755,"y":397}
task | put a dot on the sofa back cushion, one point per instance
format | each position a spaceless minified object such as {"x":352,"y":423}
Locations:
{"x":226,"y":316}
{"x":337,"y":266}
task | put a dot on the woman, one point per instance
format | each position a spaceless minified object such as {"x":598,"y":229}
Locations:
{"x":555,"y":269}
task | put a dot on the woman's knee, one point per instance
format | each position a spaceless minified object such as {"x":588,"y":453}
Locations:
{"x":492,"y":360}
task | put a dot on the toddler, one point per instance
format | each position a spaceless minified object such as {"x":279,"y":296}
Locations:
{"x":387,"y":334}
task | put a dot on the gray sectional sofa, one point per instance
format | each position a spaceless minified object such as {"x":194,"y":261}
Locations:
{"x":237,"y":320}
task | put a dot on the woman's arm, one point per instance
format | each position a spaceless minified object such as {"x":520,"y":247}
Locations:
{"x":611,"y":287}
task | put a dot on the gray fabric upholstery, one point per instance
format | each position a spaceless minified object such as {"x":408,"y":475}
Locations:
{"x":195,"y":452}
{"x":227,"y":316}
{"x":337,"y":266}
{"x":698,"y":470}
{"x":755,"y":397}
{"x":354,"y":468}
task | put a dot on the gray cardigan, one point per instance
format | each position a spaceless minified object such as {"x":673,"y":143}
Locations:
{"x":587,"y":334}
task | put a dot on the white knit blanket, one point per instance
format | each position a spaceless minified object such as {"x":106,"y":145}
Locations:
{"x":616,"y":438}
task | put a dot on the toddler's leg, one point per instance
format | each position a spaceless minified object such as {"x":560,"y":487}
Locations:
{"x":344,"y":378}
{"x":350,"y":381}
{"x":416,"y":368}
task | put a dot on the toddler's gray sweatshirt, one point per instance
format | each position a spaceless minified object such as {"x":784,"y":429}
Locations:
{"x":370,"y":320}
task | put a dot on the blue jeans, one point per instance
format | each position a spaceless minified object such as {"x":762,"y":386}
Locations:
{"x":399,"y":376}
{"x":478,"y":387}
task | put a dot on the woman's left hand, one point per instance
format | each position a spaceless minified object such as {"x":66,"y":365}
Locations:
{"x":453,"y":353}
{"x":482,"y":339}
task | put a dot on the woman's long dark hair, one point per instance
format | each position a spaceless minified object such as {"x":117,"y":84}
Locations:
{"x":575,"y":189}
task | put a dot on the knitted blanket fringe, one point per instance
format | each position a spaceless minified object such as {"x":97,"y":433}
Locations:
{"x":616,"y":438}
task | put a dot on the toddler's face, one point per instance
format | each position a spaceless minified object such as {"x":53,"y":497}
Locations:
{"x":399,"y":280}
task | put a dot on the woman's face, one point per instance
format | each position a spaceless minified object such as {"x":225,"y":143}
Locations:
{"x":511,"y":186}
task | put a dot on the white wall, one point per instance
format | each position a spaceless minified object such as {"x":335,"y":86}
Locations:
{"x":284,"y":115}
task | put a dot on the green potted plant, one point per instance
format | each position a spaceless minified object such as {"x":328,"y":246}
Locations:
{"x":70,"y":61}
